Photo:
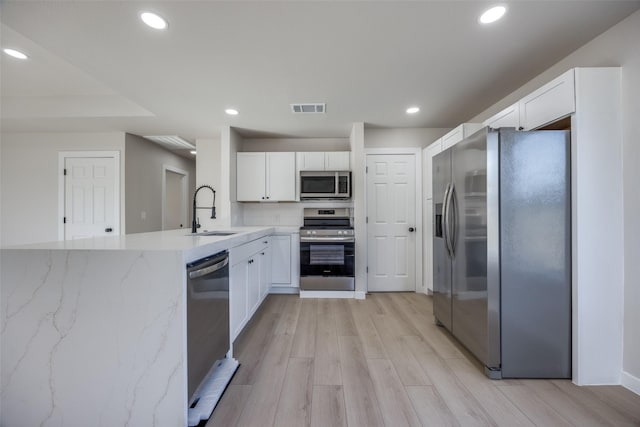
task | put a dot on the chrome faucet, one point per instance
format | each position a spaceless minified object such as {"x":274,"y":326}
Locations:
{"x":195,"y":224}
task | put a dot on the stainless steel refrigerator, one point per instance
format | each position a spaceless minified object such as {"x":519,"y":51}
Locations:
{"x":502,"y":250}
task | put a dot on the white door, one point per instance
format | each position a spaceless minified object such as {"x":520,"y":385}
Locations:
{"x":391,"y":212}
{"x":91,"y":207}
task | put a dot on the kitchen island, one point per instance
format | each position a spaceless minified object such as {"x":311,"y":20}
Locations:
{"x":93,"y":330}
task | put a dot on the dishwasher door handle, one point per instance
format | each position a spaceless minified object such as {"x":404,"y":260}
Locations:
{"x":210,"y":269}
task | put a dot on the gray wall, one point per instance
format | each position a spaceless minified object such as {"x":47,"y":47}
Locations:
{"x":295,"y":144}
{"x":29,"y":181}
{"x":143,"y":182}
{"x":401,"y":137}
{"x":616,"y":47}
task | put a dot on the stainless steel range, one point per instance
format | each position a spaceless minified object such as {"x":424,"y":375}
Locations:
{"x":327,"y":245}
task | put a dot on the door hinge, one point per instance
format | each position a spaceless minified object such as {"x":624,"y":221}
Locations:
{"x":64,"y":220}
{"x":366,"y":169}
{"x":367,"y":269}
{"x":64,"y":171}
{"x":367,"y":221}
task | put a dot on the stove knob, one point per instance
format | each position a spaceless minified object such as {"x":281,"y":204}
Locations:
{"x":313,"y":232}
{"x":339,"y":232}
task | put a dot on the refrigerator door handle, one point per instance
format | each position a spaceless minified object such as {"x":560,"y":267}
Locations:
{"x":445,"y":219}
{"x":453,"y":208}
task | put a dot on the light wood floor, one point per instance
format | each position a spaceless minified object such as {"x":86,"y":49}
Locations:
{"x":382,"y":361}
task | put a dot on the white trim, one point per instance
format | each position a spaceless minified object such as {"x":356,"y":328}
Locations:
{"x":630,"y":382}
{"x":360,"y":295}
{"x":406,"y":150}
{"x":417,"y":153}
{"x":327,"y":294}
{"x":185,"y":193}
{"x":62,"y":156}
{"x":284,"y":290}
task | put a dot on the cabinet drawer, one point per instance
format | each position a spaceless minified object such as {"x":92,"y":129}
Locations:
{"x":552,"y":101}
{"x":242,"y":252}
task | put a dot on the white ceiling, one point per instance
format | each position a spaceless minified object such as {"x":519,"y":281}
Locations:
{"x":95,"y":67}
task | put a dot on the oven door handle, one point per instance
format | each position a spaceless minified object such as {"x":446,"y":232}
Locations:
{"x":328,"y":239}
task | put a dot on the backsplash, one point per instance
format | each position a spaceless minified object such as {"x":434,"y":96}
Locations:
{"x":284,"y":214}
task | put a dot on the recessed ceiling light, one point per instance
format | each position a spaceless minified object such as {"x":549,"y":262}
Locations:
{"x":194,"y":152}
{"x":412,"y":110}
{"x":231,"y":111}
{"x":153,"y":20}
{"x":492,"y":14}
{"x":15,"y":53}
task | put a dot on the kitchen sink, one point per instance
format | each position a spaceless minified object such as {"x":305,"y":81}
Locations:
{"x":214,"y":233}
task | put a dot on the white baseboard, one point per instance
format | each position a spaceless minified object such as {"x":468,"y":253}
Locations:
{"x":631,"y":382}
{"x":284,"y":290}
{"x":326,"y":294}
{"x":360,"y":295}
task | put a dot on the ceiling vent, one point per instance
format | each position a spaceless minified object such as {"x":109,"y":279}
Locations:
{"x":308,"y":108}
{"x":171,"y":141}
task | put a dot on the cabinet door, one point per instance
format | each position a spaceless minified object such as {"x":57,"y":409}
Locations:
{"x":265,"y":272}
{"x":238,"y":313}
{"x":281,"y":260}
{"x":311,"y":161}
{"x":281,"y":176}
{"x":507,"y":118}
{"x":253,"y":283}
{"x":337,"y":161}
{"x":552,"y":101}
{"x":250,"y":177}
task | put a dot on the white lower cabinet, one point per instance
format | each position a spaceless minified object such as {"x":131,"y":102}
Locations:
{"x":285,"y":262}
{"x":250,"y":278}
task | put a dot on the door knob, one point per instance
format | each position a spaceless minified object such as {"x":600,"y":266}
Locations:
{"x":411,"y":229}
{"x":108,"y":230}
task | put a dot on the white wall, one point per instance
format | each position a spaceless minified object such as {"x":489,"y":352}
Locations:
{"x":616,"y":47}
{"x":143,"y":182}
{"x":208,"y":172}
{"x":29,"y":181}
{"x":401,"y":137}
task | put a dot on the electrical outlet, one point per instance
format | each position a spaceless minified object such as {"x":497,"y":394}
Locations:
{"x":143,"y":215}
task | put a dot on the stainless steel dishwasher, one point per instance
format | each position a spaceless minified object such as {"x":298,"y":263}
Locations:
{"x":207,"y":316}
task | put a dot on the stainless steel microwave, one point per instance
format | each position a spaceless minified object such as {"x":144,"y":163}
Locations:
{"x":325,"y":185}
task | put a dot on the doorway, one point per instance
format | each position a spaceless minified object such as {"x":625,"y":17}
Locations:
{"x":175,"y":191}
{"x":393,"y":218}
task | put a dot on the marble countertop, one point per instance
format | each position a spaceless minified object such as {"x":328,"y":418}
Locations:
{"x":192,"y":247}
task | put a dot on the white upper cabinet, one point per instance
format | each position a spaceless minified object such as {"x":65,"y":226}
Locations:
{"x":324,"y":161}
{"x":266,"y":177}
{"x":459,"y":133}
{"x":507,"y":118}
{"x":251,"y":176}
{"x":552,"y":101}
{"x":281,"y":176}
{"x":337,"y":161}
{"x":310,"y":161}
